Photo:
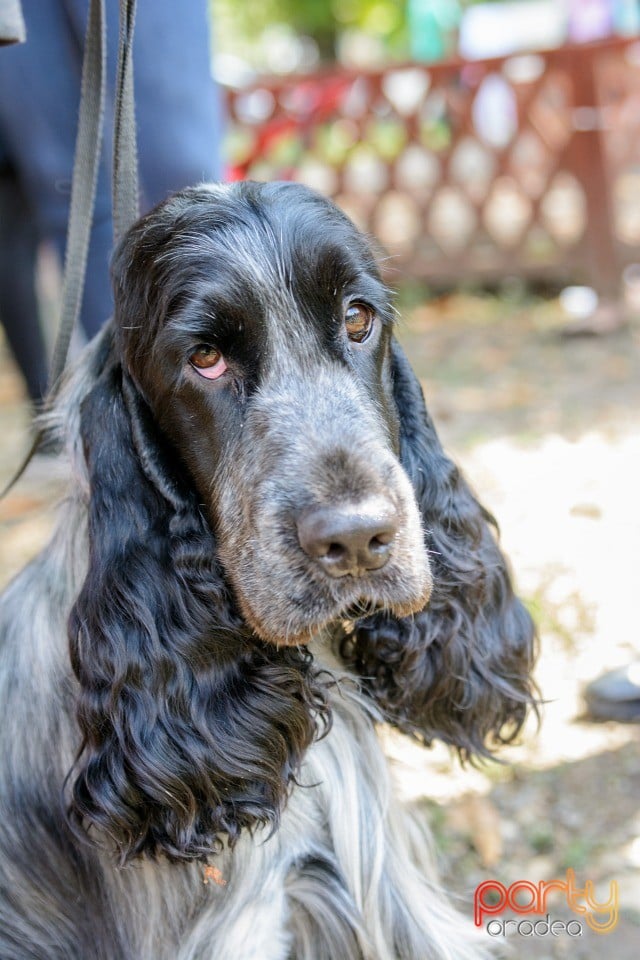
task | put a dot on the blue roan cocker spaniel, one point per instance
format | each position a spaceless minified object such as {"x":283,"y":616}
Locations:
{"x":264,"y":552}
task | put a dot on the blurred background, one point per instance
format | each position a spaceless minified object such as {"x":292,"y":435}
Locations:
{"x":493,"y":149}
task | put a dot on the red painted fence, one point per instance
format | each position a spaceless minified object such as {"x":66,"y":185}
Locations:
{"x":526,"y":165}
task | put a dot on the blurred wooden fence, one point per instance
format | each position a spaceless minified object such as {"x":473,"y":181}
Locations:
{"x":526,"y":165}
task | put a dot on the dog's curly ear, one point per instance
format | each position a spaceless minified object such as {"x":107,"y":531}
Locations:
{"x":191,"y":728}
{"x":459,"y":670}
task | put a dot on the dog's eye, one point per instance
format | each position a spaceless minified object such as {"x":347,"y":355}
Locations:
{"x":208,"y":361}
{"x":358,"y":320}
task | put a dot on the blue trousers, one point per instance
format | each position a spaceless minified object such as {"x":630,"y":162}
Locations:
{"x":177,"y":110}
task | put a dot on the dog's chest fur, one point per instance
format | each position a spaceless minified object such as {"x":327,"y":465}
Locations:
{"x":346,"y":876}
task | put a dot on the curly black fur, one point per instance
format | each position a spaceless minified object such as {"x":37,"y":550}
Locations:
{"x":192,"y":728}
{"x":459,"y":670}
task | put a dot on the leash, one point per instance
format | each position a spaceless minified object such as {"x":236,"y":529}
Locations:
{"x":85,"y":178}
{"x":125,"y":151}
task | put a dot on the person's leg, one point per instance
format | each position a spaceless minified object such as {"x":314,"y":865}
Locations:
{"x":39,"y":97}
{"x":178,"y":105}
{"x":179,"y":115}
{"x":19,"y":310}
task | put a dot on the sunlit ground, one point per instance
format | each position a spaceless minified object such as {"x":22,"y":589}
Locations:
{"x":548,"y":432}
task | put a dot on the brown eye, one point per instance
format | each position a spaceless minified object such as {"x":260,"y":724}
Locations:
{"x":208,"y":361}
{"x":358,"y":319}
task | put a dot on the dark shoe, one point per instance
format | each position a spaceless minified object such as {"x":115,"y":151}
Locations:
{"x":615,"y":695}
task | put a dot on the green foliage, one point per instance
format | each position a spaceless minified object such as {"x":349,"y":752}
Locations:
{"x":239,"y":25}
{"x":313,"y":16}
{"x":323,"y":20}
{"x":253,"y":16}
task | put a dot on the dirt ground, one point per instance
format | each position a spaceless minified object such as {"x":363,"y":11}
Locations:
{"x":548,"y":432}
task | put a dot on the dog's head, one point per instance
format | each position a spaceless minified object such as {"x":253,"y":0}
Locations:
{"x":254,"y":323}
{"x":262,"y":467}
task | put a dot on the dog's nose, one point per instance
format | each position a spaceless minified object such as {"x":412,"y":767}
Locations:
{"x":349,"y":539}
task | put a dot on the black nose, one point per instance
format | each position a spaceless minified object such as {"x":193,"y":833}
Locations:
{"x":349,"y":539}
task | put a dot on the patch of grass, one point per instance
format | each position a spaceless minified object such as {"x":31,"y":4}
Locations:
{"x":411,"y":294}
{"x":541,"y":838}
{"x":547,"y":617}
{"x":436,"y":817}
{"x":577,"y":854}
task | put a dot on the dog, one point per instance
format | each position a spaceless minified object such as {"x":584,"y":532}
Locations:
{"x":264,"y":553}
